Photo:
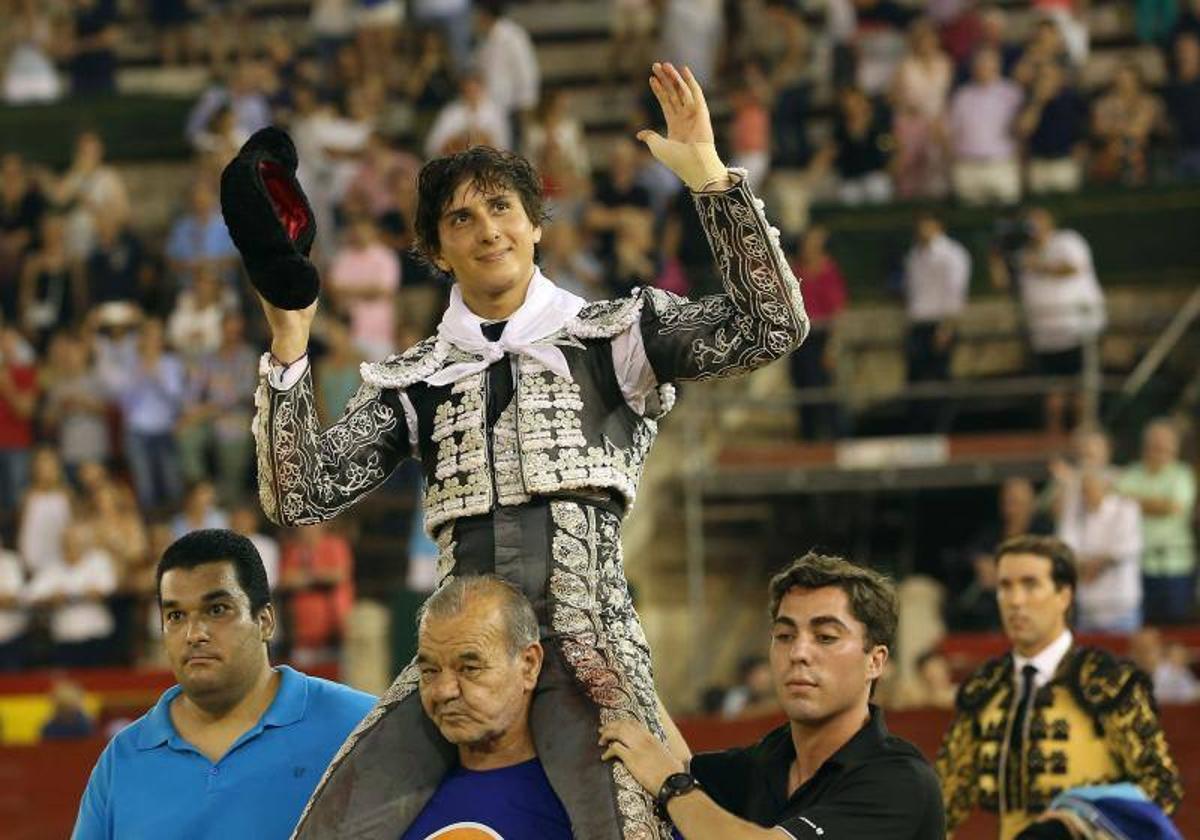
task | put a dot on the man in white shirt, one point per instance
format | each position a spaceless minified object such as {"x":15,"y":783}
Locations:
{"x":506,"y":61}
{"x":75,"y":591}
{"x":937,"y":273}
{"x":1105,"y":531}
{"x":1063,"y":306}
{"x":472,"y":119}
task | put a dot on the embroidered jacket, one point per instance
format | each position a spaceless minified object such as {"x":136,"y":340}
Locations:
{"x":575,"y":434}
{"x":1095,"y":722}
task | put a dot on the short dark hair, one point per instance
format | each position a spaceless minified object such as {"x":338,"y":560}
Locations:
{"x":218,"y":545}
{"x":1063,"y":570}
{"x":491,"y":169}
{"x":520,"y":621}
{"x":871,"y":595}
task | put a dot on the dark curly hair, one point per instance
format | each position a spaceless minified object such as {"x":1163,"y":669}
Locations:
{"x":491,"y":170}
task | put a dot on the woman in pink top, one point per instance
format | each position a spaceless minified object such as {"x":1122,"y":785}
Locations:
{"x":813,"y":365}
{"x":363,"y":282}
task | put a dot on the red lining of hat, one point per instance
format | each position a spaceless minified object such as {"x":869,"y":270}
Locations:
{"x":285,"y":199}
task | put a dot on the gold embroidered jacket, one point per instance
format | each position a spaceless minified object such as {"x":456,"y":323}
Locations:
{"x":1095,"y":722}
{"x":558,"y":435}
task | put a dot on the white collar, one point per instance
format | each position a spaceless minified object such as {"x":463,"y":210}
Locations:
{"x":545,"y":310}
{"x":1046,"y":662}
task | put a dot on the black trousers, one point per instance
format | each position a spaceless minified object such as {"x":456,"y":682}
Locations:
{"x":927,"y":363}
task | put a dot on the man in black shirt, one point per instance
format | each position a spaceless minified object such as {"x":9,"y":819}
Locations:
{"x":832,"y":770}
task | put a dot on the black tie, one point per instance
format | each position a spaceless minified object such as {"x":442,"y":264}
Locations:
{"x":1028,"y":674}
{"x":499,"y":376}
{"x":1013,"y":765}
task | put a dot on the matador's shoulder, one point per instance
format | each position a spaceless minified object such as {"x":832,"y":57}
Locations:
{"x":607,"y":318}
{"x":414,"y":364}
{"x":1101,"y":682}
{"x":984,"y":683}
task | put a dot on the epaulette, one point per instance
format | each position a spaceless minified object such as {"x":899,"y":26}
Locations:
{"x":606,"y":318}
{"x":401,"y":370}
{"x":1100,"y":681}
{"x":983,"y":683}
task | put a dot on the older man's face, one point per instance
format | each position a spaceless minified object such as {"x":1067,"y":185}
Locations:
{"x":472,"y":687}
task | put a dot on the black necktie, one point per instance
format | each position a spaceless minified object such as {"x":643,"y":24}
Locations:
{"x":1013,"y":764}
{"x":499,"y":376}
{"x":1028,"y":675}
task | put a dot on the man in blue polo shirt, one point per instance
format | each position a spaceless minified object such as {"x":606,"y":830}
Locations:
{"x":236,"y":748}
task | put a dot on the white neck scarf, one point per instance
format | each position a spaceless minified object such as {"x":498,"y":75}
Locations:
{"x":545,"y":310}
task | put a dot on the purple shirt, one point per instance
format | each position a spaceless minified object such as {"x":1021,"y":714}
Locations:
{"x":981,"y":120}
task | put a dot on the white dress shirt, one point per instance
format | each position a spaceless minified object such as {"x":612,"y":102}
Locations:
{"x":1045,"y":662}
{"x":1062,"y":311}
{"x":508,"y":67}
{"x":484,"y":122}
{"x":936,"y":278}
{"x":78,"y":619}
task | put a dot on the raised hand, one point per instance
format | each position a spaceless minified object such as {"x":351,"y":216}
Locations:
{"x":688,"y":148}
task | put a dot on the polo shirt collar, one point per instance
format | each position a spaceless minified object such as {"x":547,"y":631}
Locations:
{"x":862,"y":746}
{"x":288,"y":707}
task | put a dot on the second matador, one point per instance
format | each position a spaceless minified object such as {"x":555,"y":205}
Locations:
{"x":532,"y":413}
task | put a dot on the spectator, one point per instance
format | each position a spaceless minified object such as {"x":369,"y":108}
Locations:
{"x":170,"y":20}
{"x":691,"y":33}
{"x":918,"y":98}
{"x":1173,"y":681}
{"x":982,"y":113}
{"x":937,"y":276}
{"x":1153,"y":20}
{"x":1183,"y":104}
{"x":685,"y":242}
{"x":332,"y":25}
{"x":1063,"y":306}
{"x":247,"y":521}
{"x":45,"y":512}
{"x":112,"y":272}
{"x":1068,"y":16}
{"x":632,"y":38}
{"x":1165,"y":488}
{"x":1121,"y":124}
{"x":243,"y":95}
{"x":150,"y":395}
{"x":52,"y":293}
{"x":994,"y":34}
{"x":1054,"y":126}
{"x":75,"y":590}
{"x":92,"y":47}
{"x":1017,"y":514}
{"x":973,"y":608}
{"x":1046,"y":47}
{"x":1188,"y":22}
{"x":22,"y":206}
{"x":750,"y":131}
{"x":754,"y":694}
{"x":373,"y":188}
{"x":1091,"y":449}
{"x":470,"y":120}
{"x":1104,"y":530}
{"x":427,"y":80}
{"x":218,"y":412}
{"x":337,"y":376}
{"x":199,"y":511}
{"x":573,"y":266}
{"x":814,"y":364}
{"x":506,"y":60}
{"x":29,"y":74}
{"x":377,"y":23}
{"x":620,"y":206}
{"x":554,"y":144}
{"x":91,"y":188}
{"x":453,"y":19}
{"x":364,"y":280}
{"x":861,"y":150}
{"x":69,"y":719}
{"x":116,"y":527}
{"x":76,"y":407}
{"x":18,"y":399}
{"x":199,"y":238}
{"x":317,"y":573}
{"x":14,"y":615}
{"x":195,"y":324}
{"x":932,"y":686}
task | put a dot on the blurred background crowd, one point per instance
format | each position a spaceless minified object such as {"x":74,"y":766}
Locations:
{"x":130,"y":343}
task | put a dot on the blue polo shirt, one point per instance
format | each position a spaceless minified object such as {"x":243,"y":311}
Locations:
{"x":150,"y":783}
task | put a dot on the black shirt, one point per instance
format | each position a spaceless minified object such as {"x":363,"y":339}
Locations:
{"x":1183,"y":102}
{"x":875,"y":786}
{"x":1061,"y":126}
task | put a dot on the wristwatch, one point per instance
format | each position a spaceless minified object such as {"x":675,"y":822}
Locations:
{"x":677,"y":784}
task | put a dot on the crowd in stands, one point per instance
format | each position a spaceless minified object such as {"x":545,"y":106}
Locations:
{"x":128,"y":363}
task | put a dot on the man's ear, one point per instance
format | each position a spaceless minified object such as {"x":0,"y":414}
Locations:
{"x":537,"y":234}
{"x":531,"y":664}
{"x":266,"y":622}
{"x":876,"y":660}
